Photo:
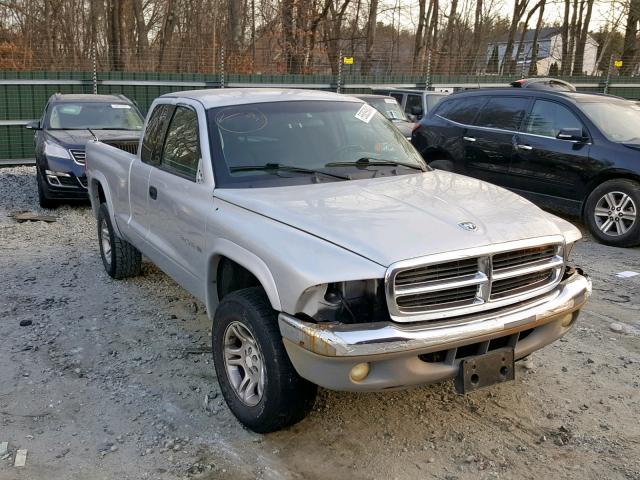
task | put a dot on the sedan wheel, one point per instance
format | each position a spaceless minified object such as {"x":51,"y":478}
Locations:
{"x":615,"y":213}
{"x":611,"y":212}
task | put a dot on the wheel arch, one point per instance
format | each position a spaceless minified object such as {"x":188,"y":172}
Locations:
{"x":602,"y":177}
{"x":98,"y":190}
{"x":226,"y":251}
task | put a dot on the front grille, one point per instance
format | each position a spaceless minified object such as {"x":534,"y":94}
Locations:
{"x":443,"y":271}
{"x":78,"y":155}
{"x":67,"y":181}
{"x":83,"y":181}
{"x":474,"y":282}
{"x":127,"y":146}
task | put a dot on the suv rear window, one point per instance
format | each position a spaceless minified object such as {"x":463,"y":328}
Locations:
{"x":461,"y":110}
{"x":505,"y":113}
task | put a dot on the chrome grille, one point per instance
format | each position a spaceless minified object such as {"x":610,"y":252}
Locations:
{"x":481,"y":279}
{"x":78,"y":155}
{"x":127,"y":146}
{"x":83,"y":181}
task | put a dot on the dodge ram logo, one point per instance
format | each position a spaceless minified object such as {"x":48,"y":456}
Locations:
{"x":468,"y":226}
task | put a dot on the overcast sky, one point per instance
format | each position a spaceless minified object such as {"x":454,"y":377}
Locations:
{"x":604,"y":12}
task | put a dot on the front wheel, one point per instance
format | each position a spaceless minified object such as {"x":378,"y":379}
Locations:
{"x":257,"y":379}
{"x":611,"y":213}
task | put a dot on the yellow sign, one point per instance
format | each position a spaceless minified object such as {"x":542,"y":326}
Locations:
{"x":347,"y":60}
{"x":618,"y":63}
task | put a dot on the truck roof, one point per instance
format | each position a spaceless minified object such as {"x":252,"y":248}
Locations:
{"x":220,"y":97}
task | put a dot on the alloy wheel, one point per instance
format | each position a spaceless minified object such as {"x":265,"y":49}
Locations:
{"x":105,"y":239}
{"x":615,"y":213}
{"x":243,"y":363}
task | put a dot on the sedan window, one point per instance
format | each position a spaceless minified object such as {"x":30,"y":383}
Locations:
{"x":548,"y":118}
{"x":505,"y":113}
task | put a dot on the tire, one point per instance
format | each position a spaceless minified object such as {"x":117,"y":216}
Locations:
{"x":446,"y":165}
{"x":43,"y":200}
{"x":245,"y":320}
{"x":612,"y":213}
{"x":119,"y":257}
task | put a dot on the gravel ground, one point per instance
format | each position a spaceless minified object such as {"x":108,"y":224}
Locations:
{"x":114,"y":380}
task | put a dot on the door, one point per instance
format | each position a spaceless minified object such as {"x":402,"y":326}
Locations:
{"x":150,"y":152}
{"x":544,"y":164}
{"x":488,"y":143}
{"x":176,"y":196}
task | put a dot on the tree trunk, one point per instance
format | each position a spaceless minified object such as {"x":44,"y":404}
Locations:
{"x":142,"y":44}
{"x":418,"y":44}
{"x":524,"y":33}
{"x":372,"y":22}
{"x":572,"y":40}
{"x":477,"y":35}
{"x":519,"y":8}
{"x":533,"y":66}
{"x":565,"y":37}
{"x":166,"y":34}
{"x":448,"y":39}
{"x":578,"y":65}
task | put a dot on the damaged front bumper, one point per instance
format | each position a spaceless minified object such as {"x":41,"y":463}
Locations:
{"x":401,"y":355}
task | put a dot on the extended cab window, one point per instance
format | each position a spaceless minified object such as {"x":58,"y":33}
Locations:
{"x":413,"y":101}
{"x":505,"y":113}
{"x":462,"y":110}
{"x":153,"y":135}
{"x":181,"y":153}
{"x":548,"y":118}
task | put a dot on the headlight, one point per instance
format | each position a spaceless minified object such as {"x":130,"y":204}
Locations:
{"x":52,"y":149}
{"x":356,"y":301}
{"x":567,"y":250}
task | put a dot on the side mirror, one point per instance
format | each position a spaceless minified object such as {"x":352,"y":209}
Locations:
{"x":33,"y":125}
{"x":571,"y":134}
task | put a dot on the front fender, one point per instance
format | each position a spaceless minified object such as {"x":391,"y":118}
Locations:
{"x":222,"y":247}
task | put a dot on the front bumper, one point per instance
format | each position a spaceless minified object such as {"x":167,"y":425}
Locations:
{"x":401,"y":355}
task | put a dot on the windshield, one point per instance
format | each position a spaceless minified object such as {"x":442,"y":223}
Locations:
{"x":388,"y":107}
{"x":306,"y":142}
{"x":96,"y":116}
{"x":618,"y":121}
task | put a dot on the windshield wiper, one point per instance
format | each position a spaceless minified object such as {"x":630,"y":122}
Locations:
{"x":286,"y":168}
{"x":369,"y":162}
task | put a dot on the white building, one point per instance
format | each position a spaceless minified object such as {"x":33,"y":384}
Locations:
{"x":549,"y":48}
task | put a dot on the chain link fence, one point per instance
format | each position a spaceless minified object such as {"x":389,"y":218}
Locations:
{"x":28,"y":79}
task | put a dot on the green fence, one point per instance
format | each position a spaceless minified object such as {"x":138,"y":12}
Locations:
{"x":24,"y":94}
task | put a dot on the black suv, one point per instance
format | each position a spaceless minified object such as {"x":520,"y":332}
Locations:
{"x":572,"y":152}
{"x":67,"y":124}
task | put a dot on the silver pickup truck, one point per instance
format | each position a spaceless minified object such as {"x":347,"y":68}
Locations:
{"x":327,"y":252}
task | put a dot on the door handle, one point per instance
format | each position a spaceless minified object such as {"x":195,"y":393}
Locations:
{"x":524,"y":147}
{"x":469,"y":139}
{"x":153,"y":192}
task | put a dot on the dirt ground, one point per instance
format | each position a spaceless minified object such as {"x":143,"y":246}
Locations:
{"x":114,"y":380}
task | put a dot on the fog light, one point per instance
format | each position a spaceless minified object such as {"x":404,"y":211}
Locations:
{"x":567,"y":320}
{"x":359,"y":372}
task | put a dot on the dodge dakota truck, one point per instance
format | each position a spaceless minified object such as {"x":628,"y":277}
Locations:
{"x":327,"y":252}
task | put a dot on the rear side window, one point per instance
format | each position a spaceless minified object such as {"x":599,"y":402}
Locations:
{"x":548,"y":118}
{"x":505,"y":113}
{"x":462,"y":110}
{"x":153,"y":135}
{"x":181,"y":153}
{"x":397,"y":96}
{"x":413,"y":101}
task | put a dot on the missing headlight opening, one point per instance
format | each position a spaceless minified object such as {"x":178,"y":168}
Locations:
{"x":358,"y":301}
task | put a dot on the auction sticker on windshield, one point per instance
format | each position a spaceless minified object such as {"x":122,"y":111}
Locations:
{"x":365,"y":113}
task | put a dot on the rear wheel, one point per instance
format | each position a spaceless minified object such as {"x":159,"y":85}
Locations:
{"x":119,"y":257}
{"x":612,"y":213}
{"x":257,"y":379}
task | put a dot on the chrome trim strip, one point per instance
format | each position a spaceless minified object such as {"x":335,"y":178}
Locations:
{"x":556,"y":262}
{"x":485,"y":255}
{"x":345,"y":340}
{"x":426,"y":287}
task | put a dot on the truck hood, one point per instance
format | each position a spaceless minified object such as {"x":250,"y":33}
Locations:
{"x":396,"y":218}
{"x":79,"y":138}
